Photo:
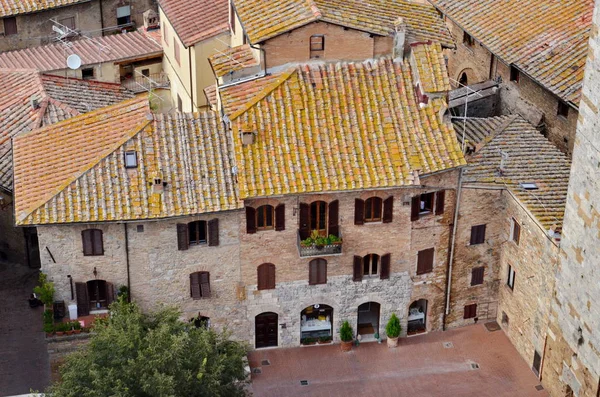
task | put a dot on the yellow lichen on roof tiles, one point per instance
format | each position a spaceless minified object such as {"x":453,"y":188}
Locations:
{"x":16,"y":7}
{"x":341,"y":126}
{"x":547,"y":39}
{"x":264,"y":19}
{"x":431,"y":67}
{"x":232,"y":60}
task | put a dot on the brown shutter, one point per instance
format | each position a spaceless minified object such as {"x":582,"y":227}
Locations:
{"x":415,"y":208}
{"x":384,"y":272}
{"x":321,"y":271}
{"x":271,"y":276}
{"x":280,"y":217}
{"x":250,"y":220}
{"x":86,"y":240}
{"x":304,"y":222}
{"x":517,"y":232}
{"x":439,"y":202}
{"x":359,"y":212}
{"x":425,"y":261}
{"x":358,"y":269}
{"x":477,"y":275}
{"x":388,"y":209}
{"x":98,"y":243}
{"x":213,"y":232}
{"x":334,"y":209}
{"x":195,"y":285}
{"x":261,"y":279}
{"x":110,"y":293}
{"x":83,"y":302}
{"x":183,"y":241}
{"x":312,"y":272}
{"x":205,"y":284}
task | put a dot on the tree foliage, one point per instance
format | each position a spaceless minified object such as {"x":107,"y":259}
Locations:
{"x":137,"y":354}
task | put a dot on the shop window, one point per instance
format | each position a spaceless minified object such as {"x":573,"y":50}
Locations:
{"x":515,"y":231}
{"x":266,"y":276}
{"x":123,"y":15}
{"x":200,"y":285}
{"x":93,"y":244}
{"x":10,"y":26}
{"x":515,"y":75}
{"x":316,"y":324}
{"x":470,"y":311}
{"x":563,"y":109}
{"x":425,"y":261}
{"x":511,"y":277}
{"x":477,"y":234}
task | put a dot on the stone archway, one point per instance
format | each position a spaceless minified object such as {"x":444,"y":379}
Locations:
{"x":465,"y":77}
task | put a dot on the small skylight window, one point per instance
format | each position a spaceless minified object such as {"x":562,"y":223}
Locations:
{"x":529,"y":186}
{"x":131,"y":159}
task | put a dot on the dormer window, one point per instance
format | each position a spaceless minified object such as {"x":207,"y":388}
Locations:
{"x":131,"y":159}
{"x":247,"y":137}
{"x":157,"y":181}
{"x":317,"y":45}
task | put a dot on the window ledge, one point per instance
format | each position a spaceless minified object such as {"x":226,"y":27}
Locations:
{"x":99,"y":311}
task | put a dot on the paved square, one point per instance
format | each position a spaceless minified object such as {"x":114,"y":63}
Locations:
{"x":421,"y":366}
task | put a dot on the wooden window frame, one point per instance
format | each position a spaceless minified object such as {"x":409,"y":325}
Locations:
{"x":431,"y":198}
{"x":510,"y":280}
{"x":16,"y":29}
{"x":470,"y":311}
{"x":477,"y":234}
{"x":317,"y":205}
{"x":96,"y":246}
{"x":317,"y":46}
{"x":321,"y":271}
{"x":369,"y":261}
{"x":562,"y":109}
{"x":264,"y":209}
{"x":515,"y":74}
{"x":429,"y":268}
{"x":477,"y":275}
{"x":197,"y":225}
{"x":371,"y":206}
{"x":515,"y":231}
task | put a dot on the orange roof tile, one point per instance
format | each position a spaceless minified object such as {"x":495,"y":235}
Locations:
{"x":197,"y":20}
{"x":546,"y":39}
{"x":232,"y":60}
{"x":264,"y":19}
{"x":328,"y":127}
{"x":16,"y":7}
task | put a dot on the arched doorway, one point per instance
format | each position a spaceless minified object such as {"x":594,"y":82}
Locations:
{"x":368,"y":319}
{"x":266,"y":333}
{"x":316,"y":324}
{"x":417,"y":317}
{"x":201,"y":322}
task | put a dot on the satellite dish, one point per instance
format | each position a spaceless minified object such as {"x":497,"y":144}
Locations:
{"x":73,"y":61}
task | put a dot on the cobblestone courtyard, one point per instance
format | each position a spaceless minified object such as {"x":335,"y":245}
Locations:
{"x":421,"y":366}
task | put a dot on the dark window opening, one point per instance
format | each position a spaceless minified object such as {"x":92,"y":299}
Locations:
{"x":426,"y":203}
{"x":373,"y":208}
{"x":318,"y":217}
{"x":201,"y":322}
{"x":514,"y":74}
{"x":477,"y":275}
{"x":511,"y":278}
{"x":87,"y":74}
{"x":563,"y":109}
{"x":68,"y":22}
{"x":505,"y":319}
{"x":97,"y":294}
{"x":537,"y":362}
{"x":317,"y":45}
{"x":10,"y":26}
{"x":467,"y":39}
{"x":179,"y":103}
{"x":197,"y":233}
{"x":470,"y":311}
{"x":146,"y":72}
{"x":463,"y":80}
{"x":515,"y":233}
{"x":123,"y":15}
{"x":477,"y":234}
{"x":140,"y":228}
{"x":370,"y":264}
{"x":264,"y":217}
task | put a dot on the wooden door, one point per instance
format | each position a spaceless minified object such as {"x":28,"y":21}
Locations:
{"x":266,"y":330}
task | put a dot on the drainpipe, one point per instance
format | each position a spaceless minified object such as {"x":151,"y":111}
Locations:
{"x":451,"y":255}
{"x":191,"y":78}
{"x":127,"y":262}
{"x":101,"y":17}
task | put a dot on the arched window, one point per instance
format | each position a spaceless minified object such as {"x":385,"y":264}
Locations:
{"x":463,"y":80}
{"x":266,"y":276}
{"x":373,"y":207}
{"x":201,"y":322}
{"x":370,"y":264}
{"x":92,"y":242}
{"x":317,"y":271}
{"x":200,"y":285}
{"x":264,"y":217}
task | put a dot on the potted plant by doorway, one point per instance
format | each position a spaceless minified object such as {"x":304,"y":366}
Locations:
{"x":392,"y":329}
{"x":346,"y":336}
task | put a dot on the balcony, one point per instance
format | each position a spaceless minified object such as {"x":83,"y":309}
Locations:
{"x":139,"y":84}
{"x":319,"y":250}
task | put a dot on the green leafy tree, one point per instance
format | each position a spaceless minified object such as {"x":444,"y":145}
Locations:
{"x":45,"y":290}
{"x":137,"y":354}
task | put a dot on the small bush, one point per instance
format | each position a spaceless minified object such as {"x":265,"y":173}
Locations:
{"x":346,"y":333}
{"x":44,"y":290}
{"x":393,"y":327}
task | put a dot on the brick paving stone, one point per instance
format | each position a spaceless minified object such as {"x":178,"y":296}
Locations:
{"x":420,"y":366}
{"x":23,"y":355}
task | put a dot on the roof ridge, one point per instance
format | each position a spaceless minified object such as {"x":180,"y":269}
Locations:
{"x":22,"y":215}
{"x":260,"y":95}
{"x":497,"y":131}
{"x":314,"y":9}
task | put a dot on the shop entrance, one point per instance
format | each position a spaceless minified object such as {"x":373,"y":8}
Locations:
{"x":417,"y":317}
{"x":266,"y":329}
{"x":368,"y":319}
{"x":316,"y":324}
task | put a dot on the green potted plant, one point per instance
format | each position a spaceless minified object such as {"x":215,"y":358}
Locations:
{"x":45,"y":291}
{"x":346,"y":335}
{"x":76,"y":327}
{"x":59,"y":329}
{"x":49,"y":329}
{"x":392,"y":330}
{"x":324,"y":339}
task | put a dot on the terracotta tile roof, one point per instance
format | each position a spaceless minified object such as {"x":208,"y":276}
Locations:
{"x":530,"y":158}
{"x":189,"y":152}
{"x":58,"y":99}
{"x":546,"y":39}
{"x":328,"y":127}
{"x":116,"y":47}
{"x":238,"y":97}
{"x":232,"y":60}
{"x":431,"y":67}
{"x":264,"y":19}
{"x":16,"y":7}
{"x":196,"y":20}
{"x":211,"y":95}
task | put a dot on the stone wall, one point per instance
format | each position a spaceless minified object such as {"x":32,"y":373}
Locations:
{"x":573,"y":349}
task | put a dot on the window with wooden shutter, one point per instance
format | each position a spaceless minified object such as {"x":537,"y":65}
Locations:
{"x":515,"y":233}
{"x":197,"y":233}
{"x":477,"y":234}
{"x":333,"y":220}
{"x":357,"y":268}
{"x":10,"y":26}
{"x":280,"y":217}
{"x":317,"y":271}
{"x":266,"y":276}
{"x":359,"y":212}
{"x":83,"y":301}
{"x":317,"y":45}
{"x":415,"y":208}
{"x":110,"y":293}
{"x":425,"y":261}
{"x":384,"y":273}
{"x":440,"y":199}
{"x":264,"y":217}
{"x":182,"y":236}
{"x":373,"y":208}
{"x":213,"y":232}
{"x":318,"y":217}
{"x":200,"y":285}
{"x":470,"y":311}
{"x":477,"y":275}
{"x":370,"y":264}
{"x":388,"y":209}
{"x":304,"y":221}
{"x":250,"y":220}
{"x":93,"y":244}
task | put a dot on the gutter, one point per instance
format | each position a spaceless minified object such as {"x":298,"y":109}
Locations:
{"x":127,"y":262}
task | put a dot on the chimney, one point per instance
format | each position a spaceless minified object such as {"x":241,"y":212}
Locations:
{"x":150,"y":20}
{"x":399,"y":38}
{"x":34,"y":103}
